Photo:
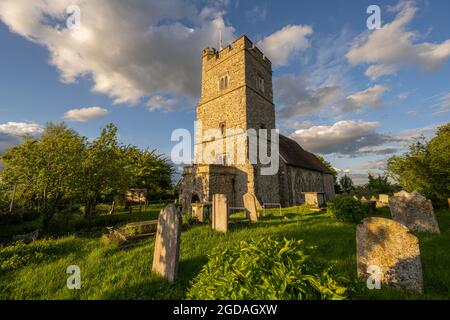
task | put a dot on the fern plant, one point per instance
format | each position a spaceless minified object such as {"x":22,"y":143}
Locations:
{"x":268,"y":269}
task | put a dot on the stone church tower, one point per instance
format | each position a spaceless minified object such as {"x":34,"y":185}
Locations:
{"x":237,"y":95}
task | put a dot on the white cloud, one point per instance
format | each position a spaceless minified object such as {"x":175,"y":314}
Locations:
{"x":371,"y":97}
{"x":394,"y":47}
{"x":296,"y":98}
{"x":347,"y":137}
{"x":286,"y":43}
{"x":11,"y":133}
{"x":130,"y":50}
{"x":20,"y":128}
{"x":159,"y":102}
{"x":85,"y":114}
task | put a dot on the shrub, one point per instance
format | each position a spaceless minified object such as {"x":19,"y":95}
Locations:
{"x":265,"y":270}
{"x":189,"y":220}
{"x":346,"y":208}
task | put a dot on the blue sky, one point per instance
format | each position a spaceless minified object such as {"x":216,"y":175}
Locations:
{"x":354,"y":95}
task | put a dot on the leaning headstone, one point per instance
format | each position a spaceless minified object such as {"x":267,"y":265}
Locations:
{"x":167,"y":243}
{"x":414,"y":211}
{"x":355,"y":197}
{"x":220,"y":213}
{"x":250,"y":206}
{"x":388,"y":253}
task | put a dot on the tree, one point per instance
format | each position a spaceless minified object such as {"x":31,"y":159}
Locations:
{"x":346,"y":184}
{"x":148,"y":170}
{"x":47,"y":169}
{"x":379,"y":184}
{"x":104,"y":169}
{"x":426,"y":166}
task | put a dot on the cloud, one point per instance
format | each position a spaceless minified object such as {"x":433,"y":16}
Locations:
{"x":297,"y":99}
{"x":371,"y":97}
{"x":349,"y":137}
{"x":129,"y":50}
{"x":378,"y":165}
{"x":159,"y":102}
{"x":257,"y":13}
{"x":85,"y":114}
{"x":286,"y":43}
{"x":394,"y":47}
{"x":443,"y":104}
{"x":20,"y":128}
{"x":11,"y":133}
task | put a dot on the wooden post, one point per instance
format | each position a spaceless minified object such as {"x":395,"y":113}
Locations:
{"x":11,"y":205}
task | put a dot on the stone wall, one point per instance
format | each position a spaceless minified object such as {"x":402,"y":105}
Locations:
{"x":295,"y":180}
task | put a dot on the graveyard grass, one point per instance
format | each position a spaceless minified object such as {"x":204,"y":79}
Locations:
{"x":110,"y":273}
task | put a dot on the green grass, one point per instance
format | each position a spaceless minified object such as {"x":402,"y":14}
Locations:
{"x":109,"y":273}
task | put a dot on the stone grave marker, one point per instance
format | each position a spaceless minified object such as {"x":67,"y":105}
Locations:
{"x":387,"y":247}
{"x":167,"y":243}
{"x":220,"y":213}
{"x":250,"y":206}
{"x":414,"y":211}
{"x":198,"y":211}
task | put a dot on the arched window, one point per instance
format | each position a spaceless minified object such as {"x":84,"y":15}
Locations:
{"x":223,"y":82}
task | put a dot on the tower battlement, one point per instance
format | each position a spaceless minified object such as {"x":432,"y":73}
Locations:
{"x":212,"y":56}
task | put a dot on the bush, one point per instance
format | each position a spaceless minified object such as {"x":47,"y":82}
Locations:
{"x":346,"y":208}
{"x":264,"y":270}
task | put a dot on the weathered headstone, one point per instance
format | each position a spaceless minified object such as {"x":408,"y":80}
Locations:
{"x":198,"y":211}
{"x":363,"y":198}
{"x":373,"y":199}
{"x":414,"y":211}
{"x":167,"y":243}
{"x":250,"y":206}
{"x":220,"y":213}
{"x":314,"y":199}
{"x":387,"y":246}
{"x":355,"y":197}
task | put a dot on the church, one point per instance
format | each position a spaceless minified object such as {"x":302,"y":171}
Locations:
{"x":237,"y":94}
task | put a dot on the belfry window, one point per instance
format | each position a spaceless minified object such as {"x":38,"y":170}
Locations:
{"x":223,"y":82}
{"x":260,"y":83}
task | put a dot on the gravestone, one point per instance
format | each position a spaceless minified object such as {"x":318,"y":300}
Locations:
{"x":414,"y":211}
{"x":363,"y":198}
{"x":250,"y":206}
{"x":373,"y":199}
{"x":387,"y":245}
{"x":314,"y":199}
{"x":198,"y":211}
{"x":220,"y":213}
{"x":167,"y":243}
{"x":355,"y":197}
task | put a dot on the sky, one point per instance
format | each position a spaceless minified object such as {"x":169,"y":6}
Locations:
{"x":354,"y":95}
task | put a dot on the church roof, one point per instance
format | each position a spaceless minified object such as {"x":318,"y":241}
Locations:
{"x":296,"y":156}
